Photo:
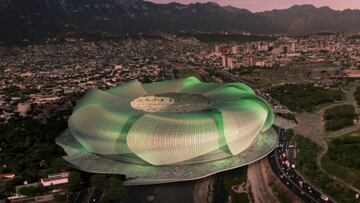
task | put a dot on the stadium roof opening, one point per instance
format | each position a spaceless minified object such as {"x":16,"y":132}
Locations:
{"x":172,"y":102}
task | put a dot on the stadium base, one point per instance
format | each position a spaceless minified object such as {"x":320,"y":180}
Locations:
{"x":141,"y":174}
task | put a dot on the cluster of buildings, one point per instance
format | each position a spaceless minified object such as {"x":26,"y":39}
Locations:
{"x":338,"y":50}
{"x":50,"y":185}
{"x":39,"y":78}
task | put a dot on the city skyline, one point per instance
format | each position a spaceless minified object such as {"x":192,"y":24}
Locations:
{"x":135,"y":101}
{"x":267,"y":5}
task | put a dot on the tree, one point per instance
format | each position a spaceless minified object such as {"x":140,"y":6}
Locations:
{"x":115,"y":191}
{"x":98,"y":181}
{"x":30,"y":191}
{"x":58,"y":164}
{"x":74,"y":181}
{"x":30,"y":175}
{"x":59,"y":197}
{"x":220,"y":194}
{"x":29,"y":146}
{"x":7,"y":188}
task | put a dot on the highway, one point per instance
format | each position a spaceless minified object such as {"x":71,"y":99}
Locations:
{"x":288,"y":175}
{"x":279,"y":162}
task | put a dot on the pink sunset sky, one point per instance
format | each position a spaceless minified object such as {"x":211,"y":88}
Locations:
{"x":262,"y":5}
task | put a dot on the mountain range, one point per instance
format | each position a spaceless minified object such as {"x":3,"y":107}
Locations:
{"x":39,"y":19}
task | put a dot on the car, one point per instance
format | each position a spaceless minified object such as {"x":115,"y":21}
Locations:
{"x":150,"y":198}
{"x":325,"y":198}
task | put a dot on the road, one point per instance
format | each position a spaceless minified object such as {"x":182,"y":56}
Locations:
{"x":308,"y":195}
{"x":260,"y":190}
{"x":350,"y":97}
{"x":287,"y":175}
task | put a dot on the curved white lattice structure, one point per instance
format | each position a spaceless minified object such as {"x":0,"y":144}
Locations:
{"x":176,"y":122}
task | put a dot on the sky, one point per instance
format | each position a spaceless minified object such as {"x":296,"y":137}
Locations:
{"x":265,"y":5}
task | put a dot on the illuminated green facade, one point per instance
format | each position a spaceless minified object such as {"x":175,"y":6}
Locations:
{"x":167,"y":124}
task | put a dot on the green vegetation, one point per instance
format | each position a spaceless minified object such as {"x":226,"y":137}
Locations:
{"x":74,"y":181}
{"x":223,"y":183}
{"x":98,"y":181}
{"x":339,"y":117}
{"x":357,"y":95}
{"x":306,"y":164}
{"x":16,"y":91}
{"x":220,"y":194}
{"x":289,"y":134}
{"x":31,"y":190}
{"x":114,"y":191}
{"x":289,"y":116}
{"x":306,"y":158}
{"x":304,"y":97}
{"x":7,"y":188}
{"x":110,"y":186}
{"x":354,"y":37}
{"x":27,"y":147}
{"x":268,"y":76}
{"x":58,"y":197}
{"x":343,"y":159}
{"x":282,"y":196}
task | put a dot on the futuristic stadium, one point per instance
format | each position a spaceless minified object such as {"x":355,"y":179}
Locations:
{"x":168,"y":131}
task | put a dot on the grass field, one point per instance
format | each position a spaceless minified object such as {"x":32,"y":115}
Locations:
{"x":343,"y":158}
{"x":339,"y":117}
{"x":357,"y":95}
{"x":306,"y":163}
{"x":266,"y":76}
{"x":304,"y":97}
